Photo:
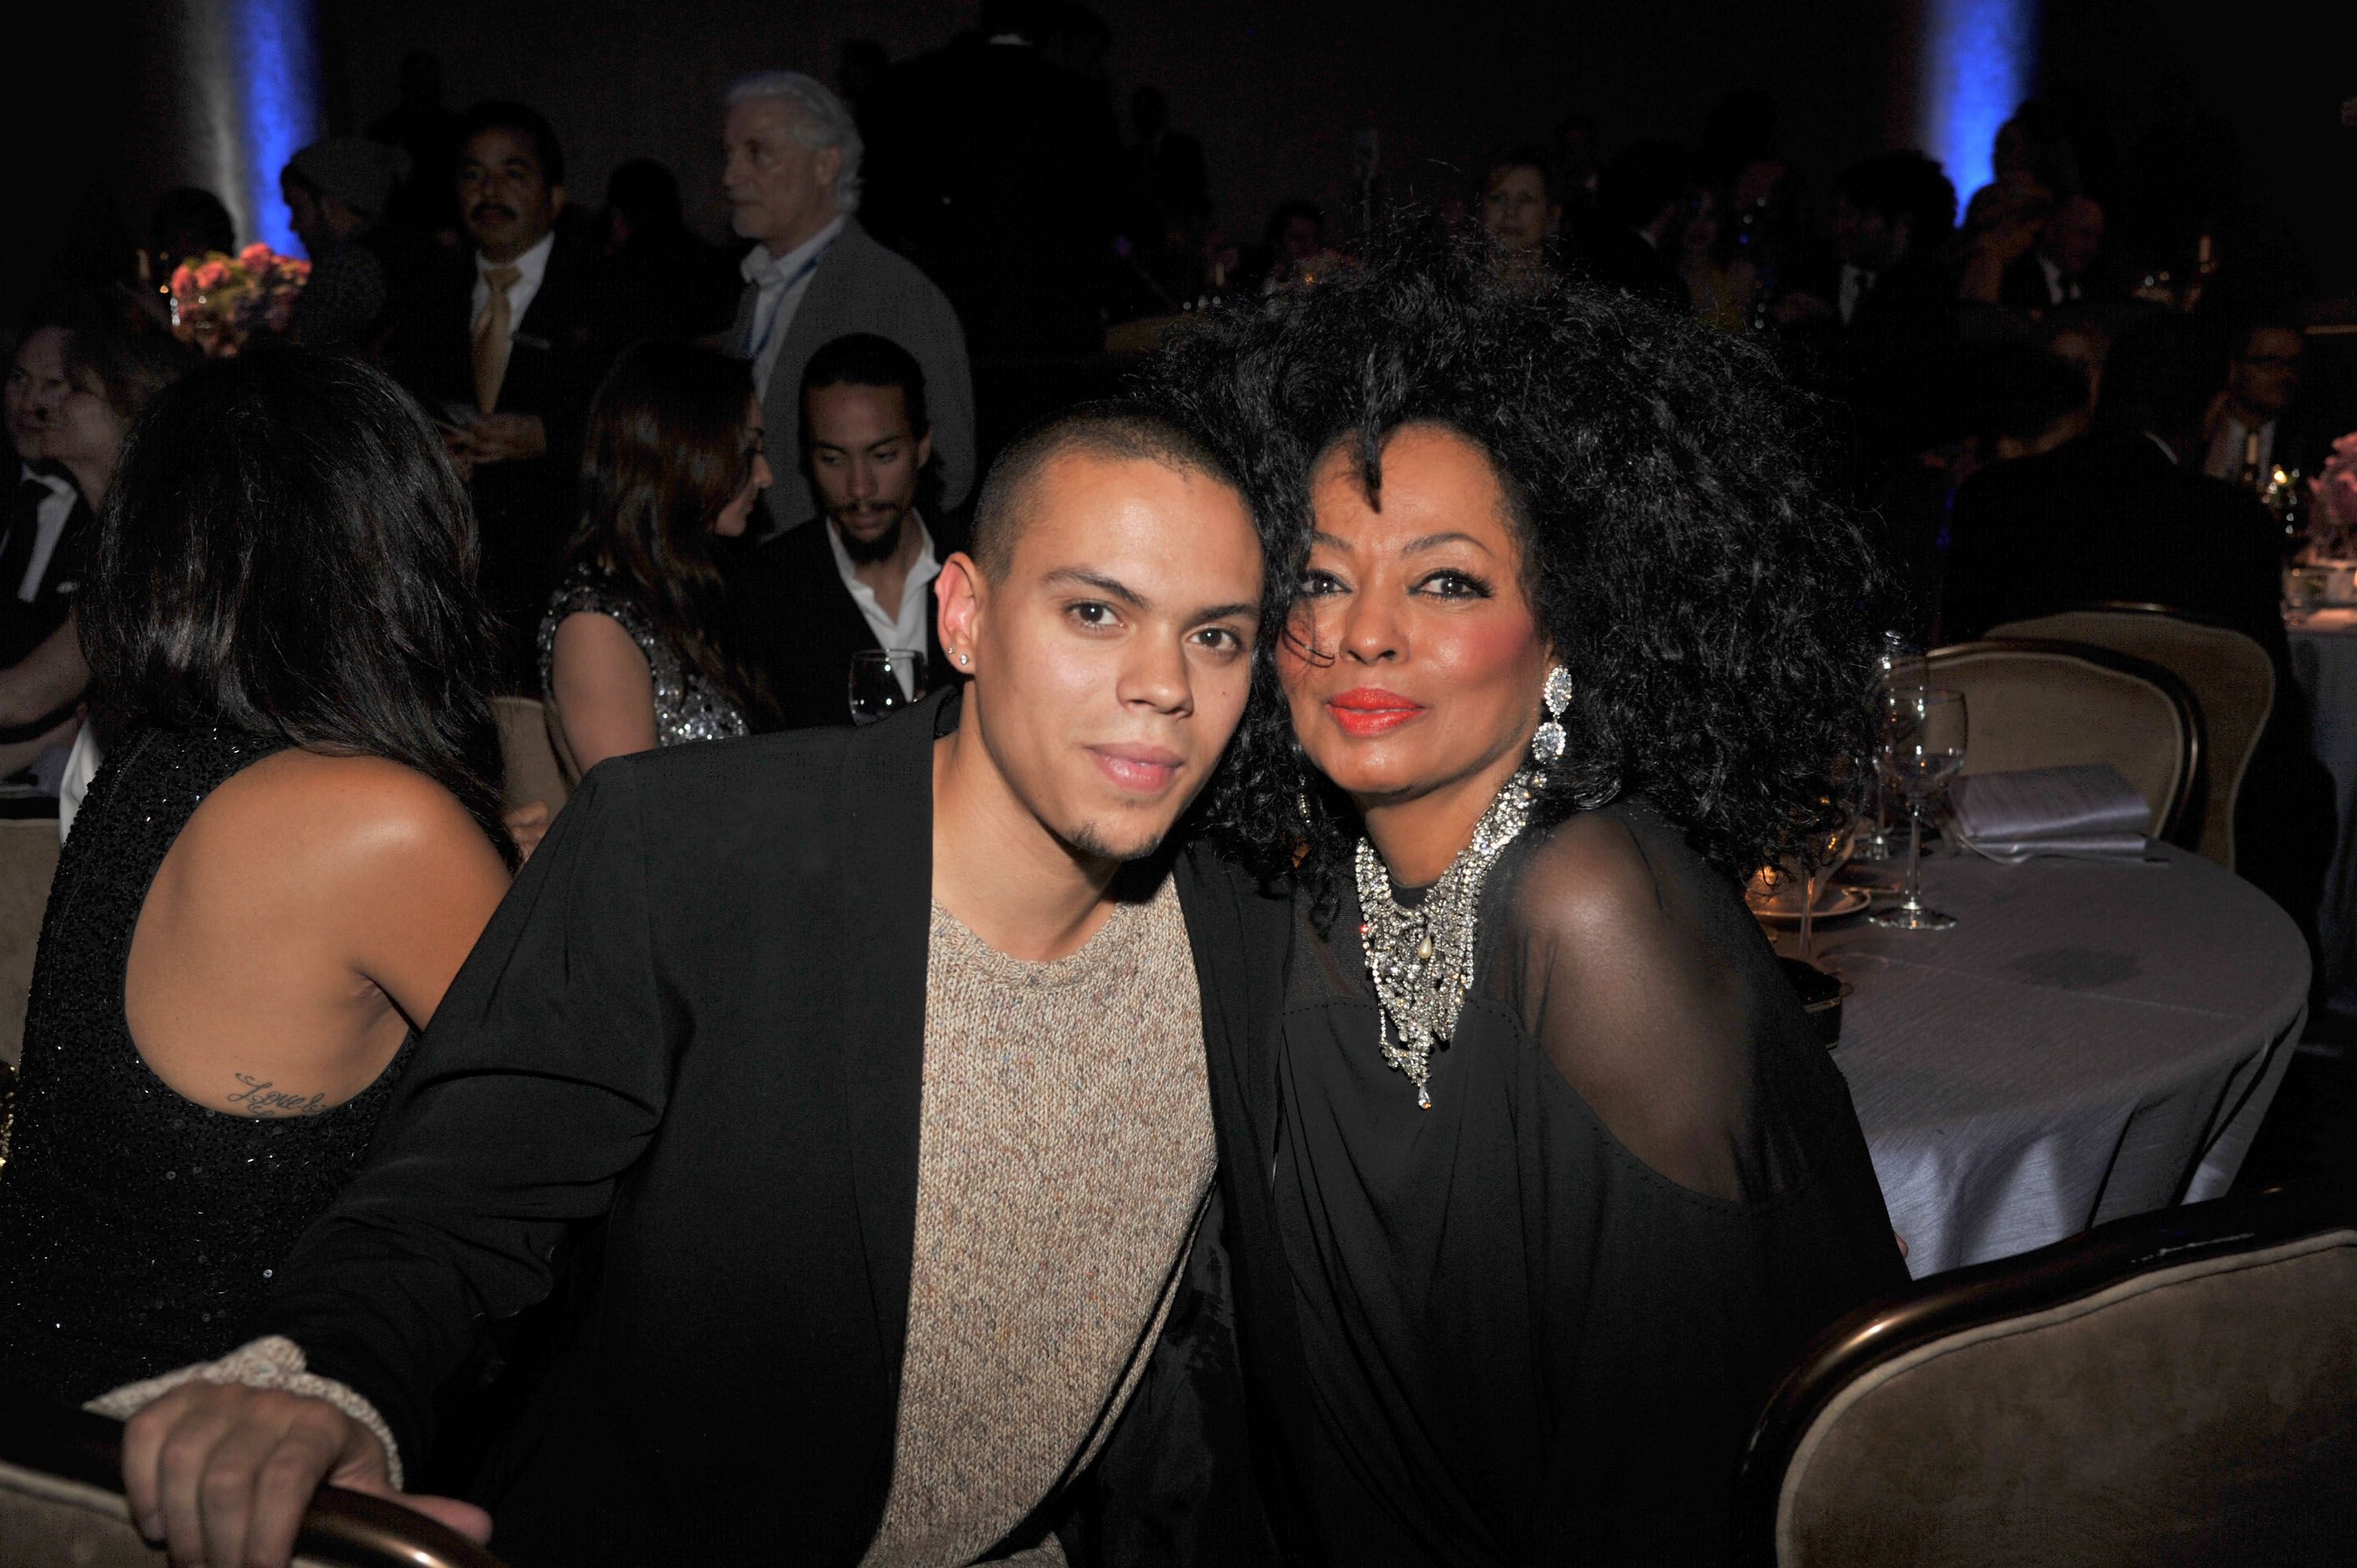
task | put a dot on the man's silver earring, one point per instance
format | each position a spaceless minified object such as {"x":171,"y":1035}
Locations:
{"x":1547,"y":743}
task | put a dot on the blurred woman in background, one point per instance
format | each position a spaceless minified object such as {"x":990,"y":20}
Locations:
{"x":634,"y":650}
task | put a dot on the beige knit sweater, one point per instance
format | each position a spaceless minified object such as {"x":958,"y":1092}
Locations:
{"x":1064,"y":1151}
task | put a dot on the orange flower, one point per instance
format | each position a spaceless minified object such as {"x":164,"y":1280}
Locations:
{"x":212,"y":274}
{"x":183,"y":279}
{"x":257,"y":255}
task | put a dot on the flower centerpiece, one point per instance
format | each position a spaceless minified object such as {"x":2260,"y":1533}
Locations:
{"x":219,"y":300}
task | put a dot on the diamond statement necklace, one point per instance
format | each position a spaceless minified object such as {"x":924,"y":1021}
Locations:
{"x":1421,"y":959}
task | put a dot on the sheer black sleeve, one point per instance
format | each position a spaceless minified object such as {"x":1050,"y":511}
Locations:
{"x":1636,"y":970}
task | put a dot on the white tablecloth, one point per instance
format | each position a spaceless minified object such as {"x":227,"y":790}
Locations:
{"x":2324,"y":660}
{"x":2090,"y":1041}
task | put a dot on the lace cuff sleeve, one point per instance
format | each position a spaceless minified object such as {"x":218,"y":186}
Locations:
{"x":274,"y":1362}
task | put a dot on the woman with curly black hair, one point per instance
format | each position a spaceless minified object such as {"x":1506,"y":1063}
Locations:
{"x":1551,"y":1179}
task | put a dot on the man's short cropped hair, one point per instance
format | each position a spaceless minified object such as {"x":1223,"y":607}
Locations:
{"x":1117,"y":430}
{"x":866,"y":359}
{"x":505,"y":114}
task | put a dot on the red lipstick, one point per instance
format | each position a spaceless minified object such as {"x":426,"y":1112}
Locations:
{"x":1372,"y":711}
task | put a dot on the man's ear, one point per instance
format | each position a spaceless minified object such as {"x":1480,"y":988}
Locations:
{"x":555,"y":200}
{"x":962,"y":593}
{"x":924,"y":448}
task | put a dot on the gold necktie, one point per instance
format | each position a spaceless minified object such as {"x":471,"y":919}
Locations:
{"x":491,"y":337}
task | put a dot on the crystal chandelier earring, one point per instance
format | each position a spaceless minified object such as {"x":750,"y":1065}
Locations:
{"x":1548,"y":741}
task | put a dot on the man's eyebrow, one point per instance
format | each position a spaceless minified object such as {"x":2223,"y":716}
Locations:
{"x":1224,"y":612}
{"x":1109,"y":586}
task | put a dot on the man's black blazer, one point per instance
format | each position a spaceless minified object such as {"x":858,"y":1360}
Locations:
{"x":800,"y":626}
{"x":696,"y":1023}
{"x":559,"y":351}
{"x":26,"y":623}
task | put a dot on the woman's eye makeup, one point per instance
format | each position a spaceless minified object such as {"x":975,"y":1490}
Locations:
{"x":1449,"y":583}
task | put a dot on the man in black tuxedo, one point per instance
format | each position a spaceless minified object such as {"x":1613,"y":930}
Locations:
{"x":761,"y":1024}
{"x":2125,"y":514}
{"x":2059,"y":268}
{"x":1644,"y":195}
{"x":862,"y":579}
{"x":47,"y":522}
{"x":506,"y":358}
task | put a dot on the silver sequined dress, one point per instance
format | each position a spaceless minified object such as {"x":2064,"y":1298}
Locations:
{"x":687,"y":706}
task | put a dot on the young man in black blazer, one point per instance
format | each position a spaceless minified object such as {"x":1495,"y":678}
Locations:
{"x":760,"y":1017}
{"x":862,"y":577}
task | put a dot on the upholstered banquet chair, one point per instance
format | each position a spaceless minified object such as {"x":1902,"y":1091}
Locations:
{"x":2178,"y":1386}
{"x":2227,"y":673}
{"x":2049,"y":703}
{"x":533,"y":772}
{"x":61,"y":1502}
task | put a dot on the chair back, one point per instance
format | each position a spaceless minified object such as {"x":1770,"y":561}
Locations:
{"x":29,"y":861}
{"x":2179,"y":1387}
{"x":2230,"y":678}
{"x":61,"y":1503}
{"x":2050,"y":704}
{"x":533,"y":770}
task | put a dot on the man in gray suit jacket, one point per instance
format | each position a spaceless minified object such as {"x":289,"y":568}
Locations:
{"x":792,"y":182}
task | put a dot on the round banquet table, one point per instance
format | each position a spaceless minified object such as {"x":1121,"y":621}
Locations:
{"x":2324,"y":661}
{"x":2090,"y":1040}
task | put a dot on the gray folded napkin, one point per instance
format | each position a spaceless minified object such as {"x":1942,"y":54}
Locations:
{"x":2086,"y":810}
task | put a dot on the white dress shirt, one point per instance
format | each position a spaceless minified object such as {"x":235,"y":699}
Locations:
{"x":782,"y":279}
{"x":1856,"y":281}
{"x":904,"y":627}
{"x":2226,"y":448}
{"x":532,"y":264}
{"x":50,"y":516}
{"x":2059,"y":290}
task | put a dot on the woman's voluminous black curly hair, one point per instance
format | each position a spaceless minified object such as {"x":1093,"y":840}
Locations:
{"x":1713,"y":598}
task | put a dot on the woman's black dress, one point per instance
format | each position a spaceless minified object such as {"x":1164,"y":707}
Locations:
{"x":138,"y":1229}
{"x":1540,"y":1318}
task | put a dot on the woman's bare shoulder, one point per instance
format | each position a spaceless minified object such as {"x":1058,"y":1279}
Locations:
{"x":316,"y":813}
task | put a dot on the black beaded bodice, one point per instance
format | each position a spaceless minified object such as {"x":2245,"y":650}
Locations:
{"x":138,"y":1231}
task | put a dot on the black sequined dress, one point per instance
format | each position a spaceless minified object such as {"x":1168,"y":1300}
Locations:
{"x":138,"y":1231}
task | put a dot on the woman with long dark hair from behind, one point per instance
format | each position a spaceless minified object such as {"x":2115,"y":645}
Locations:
{"x":634,"y":650}
{"x":275,"y":874}
{"x":1555,"y":1178}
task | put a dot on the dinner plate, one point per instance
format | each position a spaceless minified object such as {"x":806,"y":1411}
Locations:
{"x":1832,"y":905}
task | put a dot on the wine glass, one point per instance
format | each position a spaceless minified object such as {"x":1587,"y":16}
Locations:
{"x":1822,"y":859}
{"x":1921,"y":747}
{"x":1900,"y":666}
{"x":877,"y":687}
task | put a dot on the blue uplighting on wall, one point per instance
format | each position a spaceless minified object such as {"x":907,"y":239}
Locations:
{"x":1980,"y":60}
{"x":275,"y":60}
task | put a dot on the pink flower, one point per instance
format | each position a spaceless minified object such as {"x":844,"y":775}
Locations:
{"x":183,"y":279}
{"x":257,"y":255}
{"x":212,"y":274}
